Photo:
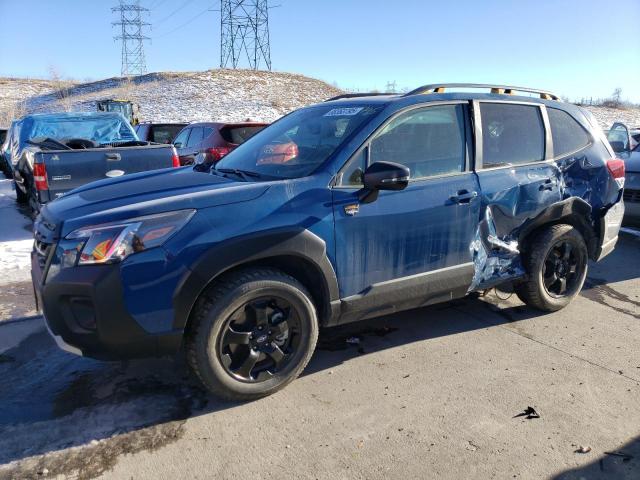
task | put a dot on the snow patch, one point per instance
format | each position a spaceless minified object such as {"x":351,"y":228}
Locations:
{"x":16,"y":238}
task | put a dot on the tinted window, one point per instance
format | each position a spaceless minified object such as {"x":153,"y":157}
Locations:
{"x":239,"y":135}
{"x":206,"y":131}
{"x":430,"y":141}
{"x":195,"y":138}
{"x":299,"y":143}
{"x":511,"y":134}
{"x":182,"y":138}
{"x":164,"y":133}
{"x":568,"y":135}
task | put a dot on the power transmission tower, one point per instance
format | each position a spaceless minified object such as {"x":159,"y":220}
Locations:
{"x":244,"y":33}
{"x":131,"y":26}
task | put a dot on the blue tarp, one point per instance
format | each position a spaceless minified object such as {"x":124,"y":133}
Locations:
{"x":101,"y":127}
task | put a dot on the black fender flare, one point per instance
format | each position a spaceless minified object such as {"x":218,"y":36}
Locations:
{"x":575,"y":211}
{"x":233,"y":253}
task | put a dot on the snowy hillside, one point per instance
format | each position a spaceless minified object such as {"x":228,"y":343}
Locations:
{"x":223,"y":95}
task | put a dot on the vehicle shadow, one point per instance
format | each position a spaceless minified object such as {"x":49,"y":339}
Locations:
{"x":620,"y":464}
{"x":616,"y":267}
{"x":52,"y":400}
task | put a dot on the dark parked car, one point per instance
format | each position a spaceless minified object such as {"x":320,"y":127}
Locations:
{"x":158,"y":132}
{"x":52,"y":154}
{"x":5,"y":166}
{"x":209,"y":142}
{"x":626,"y":143}
{"x":391,"y":203}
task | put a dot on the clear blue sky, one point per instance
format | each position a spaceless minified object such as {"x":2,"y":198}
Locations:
{"x":578,"y":48}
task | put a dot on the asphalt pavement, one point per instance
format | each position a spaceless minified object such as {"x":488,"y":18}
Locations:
{"x":478,"y":388}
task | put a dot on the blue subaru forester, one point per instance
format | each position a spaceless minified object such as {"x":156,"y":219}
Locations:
{"x":354,"y":208}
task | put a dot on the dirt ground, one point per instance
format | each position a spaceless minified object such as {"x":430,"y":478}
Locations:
{"x":434,"y":392}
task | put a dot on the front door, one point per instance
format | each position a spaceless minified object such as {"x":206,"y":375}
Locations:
{"x":409,"y":247}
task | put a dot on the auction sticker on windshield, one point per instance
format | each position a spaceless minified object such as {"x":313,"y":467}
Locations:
{"x":343,"y":112}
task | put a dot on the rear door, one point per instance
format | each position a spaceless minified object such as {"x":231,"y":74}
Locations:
{"x":180,"y":142}
{"x":517,"y":174}
{"x":409,"y":247}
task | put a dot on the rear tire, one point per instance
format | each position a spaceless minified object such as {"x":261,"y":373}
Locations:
{"x":252,"y":333}
{"x":556,"y":268}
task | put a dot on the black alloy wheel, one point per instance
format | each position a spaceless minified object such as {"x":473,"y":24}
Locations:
{"x":562,"y":268}
{"x":259,"y":339}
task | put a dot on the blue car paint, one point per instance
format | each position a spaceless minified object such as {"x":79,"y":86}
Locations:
{"x":388,"y":239}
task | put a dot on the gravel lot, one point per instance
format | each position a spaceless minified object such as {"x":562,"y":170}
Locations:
{"x":428,"y":393}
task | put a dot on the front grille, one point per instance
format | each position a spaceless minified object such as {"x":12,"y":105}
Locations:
{"x":631,"y":195}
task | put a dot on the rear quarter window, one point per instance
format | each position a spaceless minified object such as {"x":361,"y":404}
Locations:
{"x":568,"y":135}
{"x":512,"y":134}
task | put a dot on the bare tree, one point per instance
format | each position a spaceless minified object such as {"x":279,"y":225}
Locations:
{"x":616,"y":97}
{"x":61,"y":88}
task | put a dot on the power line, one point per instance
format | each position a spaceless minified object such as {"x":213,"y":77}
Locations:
{"x":191,"y":20}
{"x":163,"y":19}
{"x":131,"y":34}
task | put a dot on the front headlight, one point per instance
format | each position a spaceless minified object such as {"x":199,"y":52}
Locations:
{"x":113,"y":242}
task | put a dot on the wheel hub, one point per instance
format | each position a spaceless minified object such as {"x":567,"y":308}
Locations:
{"x":257,"y":341}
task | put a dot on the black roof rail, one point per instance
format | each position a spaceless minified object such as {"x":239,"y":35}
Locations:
{"x":358,"y":95}
{"x":498,"y":89}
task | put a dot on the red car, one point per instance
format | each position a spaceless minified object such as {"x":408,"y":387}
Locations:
{"x":212,"y":140}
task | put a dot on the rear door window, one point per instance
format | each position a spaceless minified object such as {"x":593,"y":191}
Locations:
{"x":568,"y":135}
{"x":512,"y":134}
{"x":195,"y":138}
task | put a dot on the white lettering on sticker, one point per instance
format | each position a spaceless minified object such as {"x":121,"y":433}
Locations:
{"x":343,"y":112}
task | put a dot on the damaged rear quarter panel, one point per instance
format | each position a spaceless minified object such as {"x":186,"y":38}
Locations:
{"x":517,"y":200}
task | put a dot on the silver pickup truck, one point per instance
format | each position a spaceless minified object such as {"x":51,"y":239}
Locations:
{"x":51,"y":154}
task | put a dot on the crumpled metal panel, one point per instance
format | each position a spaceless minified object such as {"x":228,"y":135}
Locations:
{"x":513,"y":199}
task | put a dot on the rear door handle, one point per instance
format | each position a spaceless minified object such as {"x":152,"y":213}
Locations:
{"x":548,"y":184}
{"x":113,"y":156}
{"x":463,"y":197}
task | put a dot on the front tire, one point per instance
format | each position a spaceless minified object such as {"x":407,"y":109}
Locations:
{"x":556,"y":268}
{"x":252,"y":333}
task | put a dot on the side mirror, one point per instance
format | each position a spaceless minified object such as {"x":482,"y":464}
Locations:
{"x":178,"y":145}
{"x":383,"y":176}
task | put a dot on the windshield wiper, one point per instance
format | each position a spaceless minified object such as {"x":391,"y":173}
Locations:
{"x":244,"y":174}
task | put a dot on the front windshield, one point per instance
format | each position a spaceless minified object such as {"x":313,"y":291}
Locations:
{"x":103,"y":129}
{"x":299,"y":143}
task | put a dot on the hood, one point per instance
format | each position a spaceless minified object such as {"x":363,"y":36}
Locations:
{"x":146,"y":193}
{"x":631,"y":161}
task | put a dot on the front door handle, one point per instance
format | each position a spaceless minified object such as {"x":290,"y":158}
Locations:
{"x":113,"y":156}
{"x":463,"y":197}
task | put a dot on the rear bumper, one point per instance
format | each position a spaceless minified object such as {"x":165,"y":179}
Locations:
{"x":85,"y":313}
{"x":610,"y":226}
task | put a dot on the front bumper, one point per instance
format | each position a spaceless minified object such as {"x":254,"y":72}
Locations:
{"x":86,"y":314}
